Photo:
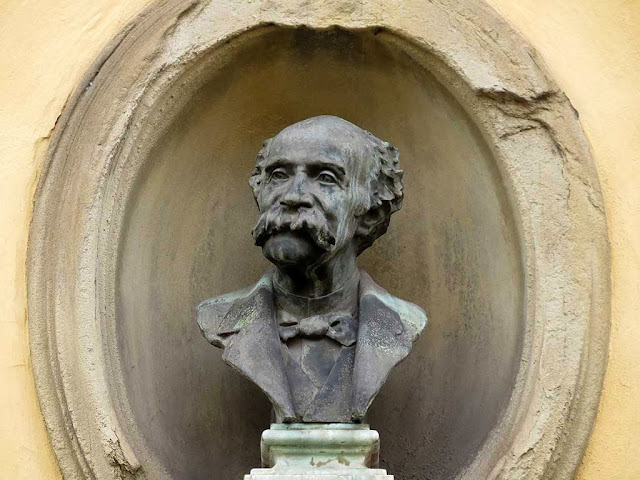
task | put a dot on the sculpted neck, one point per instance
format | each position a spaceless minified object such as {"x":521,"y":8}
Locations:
{"x":321,"y":280}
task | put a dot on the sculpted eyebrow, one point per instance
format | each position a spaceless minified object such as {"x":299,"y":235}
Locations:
{"x":281,"y":162}
{"x":337,"y":169}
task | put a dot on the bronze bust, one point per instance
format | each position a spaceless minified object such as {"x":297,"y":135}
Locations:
{"x":317,"y":334}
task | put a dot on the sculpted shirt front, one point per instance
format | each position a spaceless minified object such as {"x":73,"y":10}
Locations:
{"x":319,"y":337}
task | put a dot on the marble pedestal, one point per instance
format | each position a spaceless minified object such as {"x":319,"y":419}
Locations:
{"x":319,"y":451}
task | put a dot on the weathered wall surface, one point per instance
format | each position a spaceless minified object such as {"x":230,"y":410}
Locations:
{"x":46,"y":47}
{"x":593,"y":50}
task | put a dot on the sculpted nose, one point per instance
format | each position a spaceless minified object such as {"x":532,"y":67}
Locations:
{"x":297,"y":195}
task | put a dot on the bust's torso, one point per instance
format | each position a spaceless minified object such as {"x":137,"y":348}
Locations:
{"x":318,"y":341}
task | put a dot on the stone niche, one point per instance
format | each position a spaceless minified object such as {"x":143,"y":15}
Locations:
{"x":143,"y":210}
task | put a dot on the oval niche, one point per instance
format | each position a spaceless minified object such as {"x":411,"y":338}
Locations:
{"x":151,"y":162}
{"x":453,"y":249}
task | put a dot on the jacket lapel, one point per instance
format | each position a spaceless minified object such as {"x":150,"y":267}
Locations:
{"x":255,"y":348}
{"x":382,"y":343}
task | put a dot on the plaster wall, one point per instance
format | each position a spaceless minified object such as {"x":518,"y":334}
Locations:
{"x":593,"y":50}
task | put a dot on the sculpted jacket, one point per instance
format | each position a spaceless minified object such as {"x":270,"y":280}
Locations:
{"x":244,"y":324}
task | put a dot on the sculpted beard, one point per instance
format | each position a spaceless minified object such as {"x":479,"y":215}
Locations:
{"x":304,"y":220}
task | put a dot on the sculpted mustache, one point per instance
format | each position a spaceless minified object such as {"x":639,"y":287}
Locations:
{"x":308,"y":221}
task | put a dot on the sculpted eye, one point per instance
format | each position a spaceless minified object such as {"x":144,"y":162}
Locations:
{"x":327,"y":177}
{"x":278,"y":174}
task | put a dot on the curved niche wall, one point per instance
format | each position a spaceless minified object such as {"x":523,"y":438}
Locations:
{"x":453,"y":249}
{"x":501,"y":239}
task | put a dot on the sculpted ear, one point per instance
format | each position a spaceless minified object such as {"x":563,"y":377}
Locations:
{"x":372,"y":224}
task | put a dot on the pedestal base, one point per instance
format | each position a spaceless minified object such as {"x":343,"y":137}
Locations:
{"x":259,"y":474}
{"x":319,"y":451}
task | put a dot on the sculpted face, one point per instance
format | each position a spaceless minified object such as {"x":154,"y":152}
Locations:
{"x":308,"y":200}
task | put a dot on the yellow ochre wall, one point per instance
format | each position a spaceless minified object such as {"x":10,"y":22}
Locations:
{"x":593,"y":50}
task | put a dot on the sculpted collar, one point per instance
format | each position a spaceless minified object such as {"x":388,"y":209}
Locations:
{"x":344,"y":299}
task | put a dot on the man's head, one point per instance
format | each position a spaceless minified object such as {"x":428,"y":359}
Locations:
{"x":323,"y":185}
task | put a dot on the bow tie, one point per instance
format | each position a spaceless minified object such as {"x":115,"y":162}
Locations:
{"x":339,"y":326}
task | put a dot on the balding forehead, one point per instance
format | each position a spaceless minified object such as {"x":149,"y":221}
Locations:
{"x":340,"y":141}
{"x":330,"y":128}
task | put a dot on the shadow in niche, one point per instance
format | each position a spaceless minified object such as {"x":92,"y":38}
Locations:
{"x":452,"y":249}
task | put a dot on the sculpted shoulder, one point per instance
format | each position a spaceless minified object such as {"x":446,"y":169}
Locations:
{"x":211,"y":313}
{"x":413,"y":317}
